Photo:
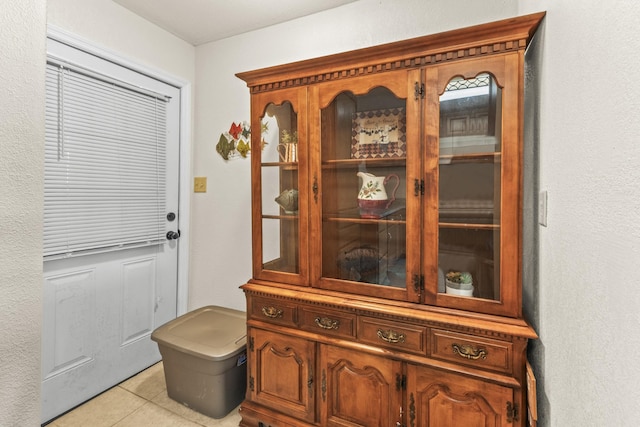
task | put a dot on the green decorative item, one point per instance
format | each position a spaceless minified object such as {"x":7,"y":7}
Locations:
{"x":243,"y":148}
{"x":224,"y":147}
{"x":289,"y":137}
{"x":459,"y":283}
{"x":236,"y":142}
{"x":459,"y":277}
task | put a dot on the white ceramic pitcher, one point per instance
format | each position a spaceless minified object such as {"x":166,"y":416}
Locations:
{"x":373,"y":188}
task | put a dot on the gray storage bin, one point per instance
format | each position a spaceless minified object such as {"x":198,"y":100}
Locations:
{"x":204,"y":357}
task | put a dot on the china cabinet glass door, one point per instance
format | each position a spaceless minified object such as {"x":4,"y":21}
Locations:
{"x":469,"y":187}
{"x":279,"y":153}
{"x":366,"y":135}
{"x":475,"y":140}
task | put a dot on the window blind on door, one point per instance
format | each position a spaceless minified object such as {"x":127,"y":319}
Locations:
{"x":105,"y":161}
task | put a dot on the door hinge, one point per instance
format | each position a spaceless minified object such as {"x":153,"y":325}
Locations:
{"x":251,"y":344}
{"x":418,"y":187}
{"x":251,"y":383}
{"x":419,"y":90}
{"x":418,"y":283}
{"x":401,"y":382}
{"x":412,"y":410}
{"x":323,"y":386}
{"x":512,"y":412}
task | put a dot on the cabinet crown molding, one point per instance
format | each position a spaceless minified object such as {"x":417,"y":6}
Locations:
{"x":476,"y":41}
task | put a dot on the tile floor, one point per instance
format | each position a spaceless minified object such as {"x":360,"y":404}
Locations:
{"x":140,"y":401}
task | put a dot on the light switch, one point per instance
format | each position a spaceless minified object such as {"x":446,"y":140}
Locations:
{"x":200,"y":184}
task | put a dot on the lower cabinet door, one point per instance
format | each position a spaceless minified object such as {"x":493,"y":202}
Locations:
{"x":358,"y":389}
{"x":441,"y":399}
{"x":281,"y":373}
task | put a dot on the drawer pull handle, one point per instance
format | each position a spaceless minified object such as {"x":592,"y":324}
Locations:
{"x":326,"y":323}
{"x":469,"y":352}
{"x":272,"y":312}
{"x":391,"y":336}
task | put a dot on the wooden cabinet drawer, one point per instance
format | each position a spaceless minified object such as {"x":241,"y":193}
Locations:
{"x":471,"y":350}
{"x":272,"y":310}
{"x":327,"y":322}
{"x":395,"y":335}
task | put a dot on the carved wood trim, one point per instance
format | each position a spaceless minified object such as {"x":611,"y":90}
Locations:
{"x":478,"y":41}
{"x":417,"y":320}
{"x":390,"y":66}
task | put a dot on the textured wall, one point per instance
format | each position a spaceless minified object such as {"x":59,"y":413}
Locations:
{"x":588,"y":295}
{"x":135,"y":38}
{"x":21,"y":197}
{"x":22,"y":43}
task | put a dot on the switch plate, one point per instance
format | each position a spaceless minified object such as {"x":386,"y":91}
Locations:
{"x":542,"y":208}
{"x":200,"y":184}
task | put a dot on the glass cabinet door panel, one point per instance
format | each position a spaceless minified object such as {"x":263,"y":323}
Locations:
{"x":469,"y":177}
{"x":363,"y":176}
{"x":279,"y":189}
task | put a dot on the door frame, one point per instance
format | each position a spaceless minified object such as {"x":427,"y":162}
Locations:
{"x":185,"y":87}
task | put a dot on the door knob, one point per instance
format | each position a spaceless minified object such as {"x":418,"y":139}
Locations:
{"x":172,"y":235}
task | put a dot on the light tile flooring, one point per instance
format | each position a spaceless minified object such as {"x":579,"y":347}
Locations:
{"x":141,"y":401}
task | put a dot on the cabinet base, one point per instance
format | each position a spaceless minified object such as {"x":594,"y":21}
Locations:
{"x":254,"y":415}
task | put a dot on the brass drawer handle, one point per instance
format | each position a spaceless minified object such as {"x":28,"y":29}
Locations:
{"x":326,"y":323}
{"x":469,"y":352}
{"x":391,"y":336}
{"x":272,"y":312}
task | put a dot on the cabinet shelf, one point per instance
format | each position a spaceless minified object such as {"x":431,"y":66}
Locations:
{"x":470,"y":158}
{"x":350,"y":163}
{"x":469,"y":226}
{"x":358,"y":220}
{"x":286,"y":217}
{"x":284,"y":165}
{"x":394,"y":214}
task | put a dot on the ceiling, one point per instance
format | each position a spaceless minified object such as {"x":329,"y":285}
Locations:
{"x":203,"y":21}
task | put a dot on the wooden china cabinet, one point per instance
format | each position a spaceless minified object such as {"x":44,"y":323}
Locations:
{"x":378,"y":175}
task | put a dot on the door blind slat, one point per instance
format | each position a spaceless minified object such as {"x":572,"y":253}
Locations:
{"x":105,"y":165}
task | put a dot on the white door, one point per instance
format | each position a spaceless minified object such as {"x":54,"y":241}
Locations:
{"x":101,"y":305}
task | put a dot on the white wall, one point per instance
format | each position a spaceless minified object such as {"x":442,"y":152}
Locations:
{"x":112,"y":27}
{"x":21,"y":175}
{"x":589,"y":157}
{"x":22,"y":70}
{"x":221,"y":227}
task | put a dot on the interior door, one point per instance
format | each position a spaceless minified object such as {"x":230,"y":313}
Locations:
{"x":100,"y":308}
